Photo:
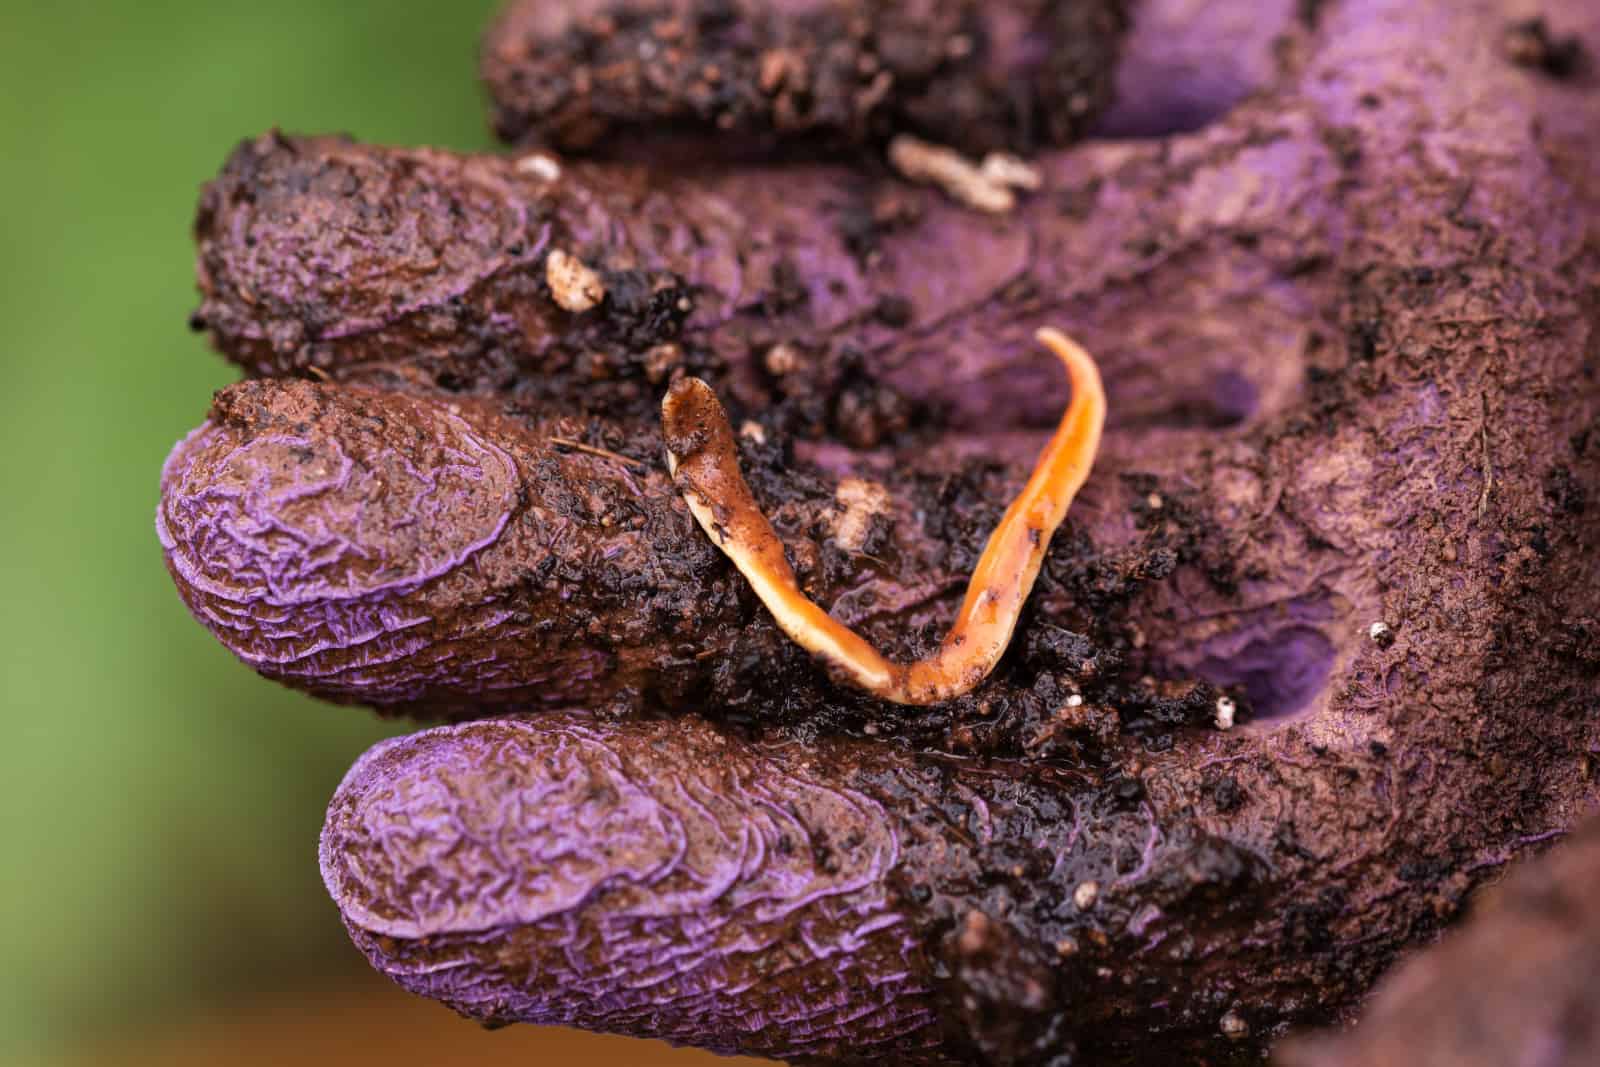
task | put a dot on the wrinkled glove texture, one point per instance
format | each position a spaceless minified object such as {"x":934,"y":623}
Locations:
{"x":1340,"y":266}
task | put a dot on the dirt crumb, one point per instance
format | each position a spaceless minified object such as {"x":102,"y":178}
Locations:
{"x":573,"y":284}
{"x":859,"y":502}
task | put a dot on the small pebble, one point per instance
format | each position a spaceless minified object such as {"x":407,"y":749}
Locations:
{"x":782,"y":358}
{"x":573,"y":284}
{"x":539,"y":165}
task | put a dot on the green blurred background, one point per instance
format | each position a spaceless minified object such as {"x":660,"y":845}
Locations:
{"x":159,"y":803}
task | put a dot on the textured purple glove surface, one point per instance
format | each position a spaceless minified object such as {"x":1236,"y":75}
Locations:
{"x":1519,"y":985}
{"x":665,"y":884}
{"x":1347,"y":327}
{"x":808,"y":901}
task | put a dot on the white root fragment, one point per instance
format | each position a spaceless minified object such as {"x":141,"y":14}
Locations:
{"x":987,"y":186}
{"x":702,"y":456}
{"x":1005,"y":169}
{"x":574,"y":285}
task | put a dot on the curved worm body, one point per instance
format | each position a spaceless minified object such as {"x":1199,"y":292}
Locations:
{"x":702,"y":456}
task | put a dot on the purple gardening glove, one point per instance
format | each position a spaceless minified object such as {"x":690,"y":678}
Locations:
{"x":1345,"y":325}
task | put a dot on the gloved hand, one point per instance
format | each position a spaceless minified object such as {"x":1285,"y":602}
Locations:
{"x":1340,"y":499}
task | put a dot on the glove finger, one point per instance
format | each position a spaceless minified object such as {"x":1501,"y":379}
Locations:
{"x":827,"y":299}
{"x":450,"y":559}
{"x":740,"y":76}
{"x":841,"y":902}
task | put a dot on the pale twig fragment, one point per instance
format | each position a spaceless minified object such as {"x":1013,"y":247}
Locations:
{"x":987,"y":186}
